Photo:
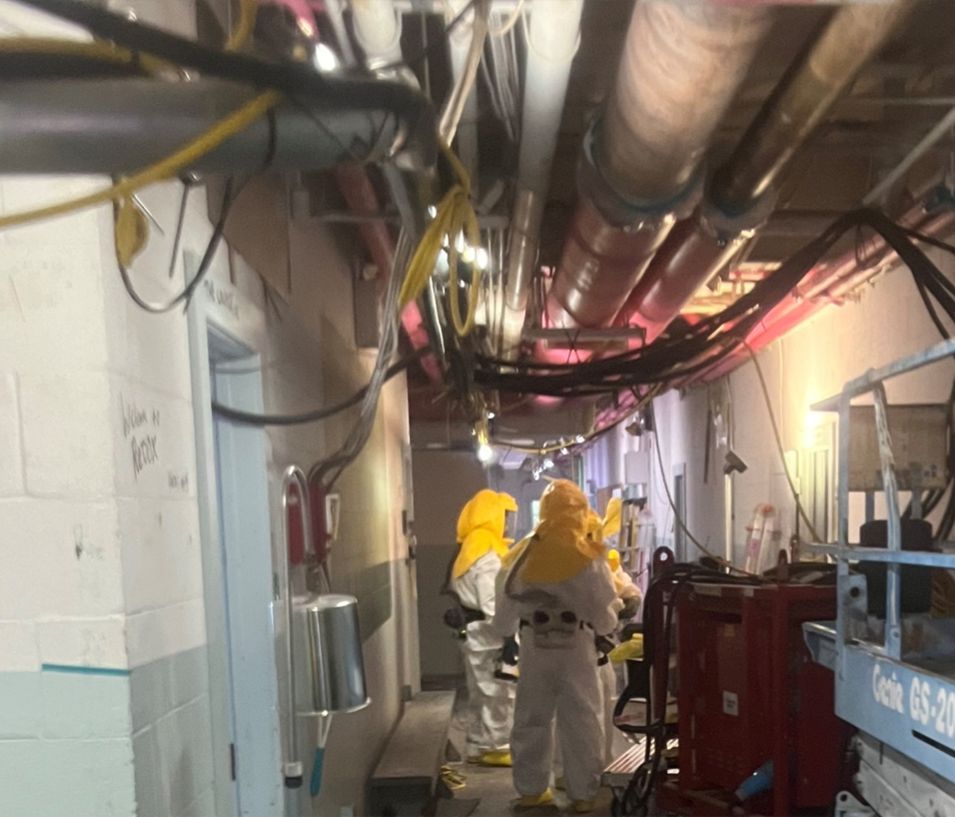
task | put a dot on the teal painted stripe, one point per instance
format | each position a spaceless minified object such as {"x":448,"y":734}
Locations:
{"x":79,"y":670}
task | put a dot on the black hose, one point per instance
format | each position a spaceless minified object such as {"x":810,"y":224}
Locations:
{"x":314,"y":415}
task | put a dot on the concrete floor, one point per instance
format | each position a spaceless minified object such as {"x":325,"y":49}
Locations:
{"x":493,"y":787}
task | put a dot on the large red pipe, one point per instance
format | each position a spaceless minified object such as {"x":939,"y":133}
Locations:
{"x":681,"y":66}
{"x":739,"y":197}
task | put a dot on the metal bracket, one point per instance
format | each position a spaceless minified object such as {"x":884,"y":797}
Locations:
{"x":849,"y":806}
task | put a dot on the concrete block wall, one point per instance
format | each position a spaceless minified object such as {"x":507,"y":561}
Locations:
{"x":444,"y":481}
{"x":105,"y":698}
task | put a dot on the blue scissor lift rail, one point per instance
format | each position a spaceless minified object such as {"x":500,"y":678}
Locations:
{"x":897,"y":685}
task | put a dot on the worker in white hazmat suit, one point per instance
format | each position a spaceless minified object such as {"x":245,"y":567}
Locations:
{"x":626,"y":606}
{"x":559,"y":592}
{"x":481,"y":527}
{"x":628,"y":599}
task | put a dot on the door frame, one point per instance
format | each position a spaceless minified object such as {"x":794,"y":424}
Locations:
{"x":210,"y":341}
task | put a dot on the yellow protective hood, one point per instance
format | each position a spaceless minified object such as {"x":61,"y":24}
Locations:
{"x":613,"y":559}
{"x":612,"y":517}
{"x":565,"y":541}
{"x":481,"y":526}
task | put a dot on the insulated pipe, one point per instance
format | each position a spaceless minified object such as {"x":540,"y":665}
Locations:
{"x":552,"y":40}
{"x":739,"y":198}
{"x":119,"y":126}
{"x":377,"y":26}
{"x":681,"y":65}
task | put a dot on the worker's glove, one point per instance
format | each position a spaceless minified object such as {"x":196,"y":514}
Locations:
{"x":509,"y":651}
{"x":604,"y":646}
{"x":630,"y":608}
{"x":455,"y":619}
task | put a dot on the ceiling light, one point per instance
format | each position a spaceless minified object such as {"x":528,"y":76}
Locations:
{"x":324,"y":59}
{"x":432,"y":211}
{"x":481,"y":258}
{"x":580,"y":438}
{"x":485,"y":453}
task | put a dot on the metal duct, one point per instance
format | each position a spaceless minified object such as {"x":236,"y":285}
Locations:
{"x":552,"y":41}
{"x":739,"y":199}
{"x":681,"y":65}
{"x":118,"y":126}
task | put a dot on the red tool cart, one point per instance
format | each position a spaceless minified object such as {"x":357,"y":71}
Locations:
{"x":750,"y":696}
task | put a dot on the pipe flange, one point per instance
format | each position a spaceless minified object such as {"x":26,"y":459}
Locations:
{"x":624,"y":211}
{"x":726,"y":227}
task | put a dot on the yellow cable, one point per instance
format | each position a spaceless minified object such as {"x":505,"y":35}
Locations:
{"x":243,"y":30}
{"x":187,"y":155}
{"x":97,"y":50}
{"x":455,"y":217}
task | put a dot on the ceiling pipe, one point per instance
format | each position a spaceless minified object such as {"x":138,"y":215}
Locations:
{"x":552,"y":41}
{"x":377,"y":27}
{"x":682,"y":64}
{"x":121,"y":125}
{"x":740,"y":197}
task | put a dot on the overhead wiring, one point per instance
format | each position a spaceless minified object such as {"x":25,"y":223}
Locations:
{"x":314,"y":415}
{"x":455,"y":225}
{"x":291,"y":78}
{"x":183,"y":297}
{"x":780,"y":448}
{"x":682,"y":524}
{"x":167,"y":167}
{"x":242,"y":32}
{"x":164,"y":169}
{"x":326,"y":472}
{"x":424,"y":53}
{"x":685,"y":353}
{"x":509,"y":22}
{"x":453,"y":107}
{"x":64,"y":54}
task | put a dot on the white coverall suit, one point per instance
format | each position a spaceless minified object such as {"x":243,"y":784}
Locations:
{"x":558,"y":674}
{"x":490,"y":700}
{"x":625,"y":590}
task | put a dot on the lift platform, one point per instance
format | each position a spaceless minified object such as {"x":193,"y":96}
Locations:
{"x":894,"y":676}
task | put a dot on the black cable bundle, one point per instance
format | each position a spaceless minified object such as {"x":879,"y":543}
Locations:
{"x":673,"y":358}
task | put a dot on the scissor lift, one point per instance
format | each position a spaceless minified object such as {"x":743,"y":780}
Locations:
{"x":895,"y":676}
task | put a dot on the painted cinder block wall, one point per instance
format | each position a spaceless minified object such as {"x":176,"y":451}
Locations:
{"x":104,"y":673}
